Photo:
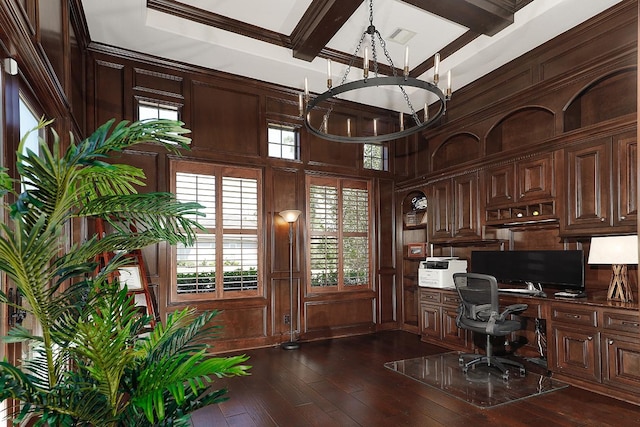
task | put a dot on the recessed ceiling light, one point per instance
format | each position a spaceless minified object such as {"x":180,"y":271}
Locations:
{"x":401,"y":35}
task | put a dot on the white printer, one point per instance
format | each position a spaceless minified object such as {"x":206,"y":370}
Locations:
{"x":437,"y":272}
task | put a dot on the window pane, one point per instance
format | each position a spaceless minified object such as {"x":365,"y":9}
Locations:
{"x":355,"y":210}
{"x":152,"y":110}
{"x":239,"y":203}
{"x":324,"y":261}
{"x":283,"y":142}
{"x":201,"y":189}
{"x":355,"y":261}
{"x":196,"y":266}
{"x":240,"y":259}
{"x":375,"y":156}
{"x":324,"y":208}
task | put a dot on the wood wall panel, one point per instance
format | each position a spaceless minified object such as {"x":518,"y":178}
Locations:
{"x":157,"y":83}
{"x":587,"y":46}
{"x":282,"y":195}
{"x":242,"y":323}
{"x":225,"y":120}
{"x":385,"y":224}
{"x":331,"y":315}
{"x":76,"y":89}
{"x":386,"y":300}
{"x":323,"y":152}
{"x":109,"y":91}
{"x":281,"y":303}
{"x":149,"y":163}
{"x":51,"y":15}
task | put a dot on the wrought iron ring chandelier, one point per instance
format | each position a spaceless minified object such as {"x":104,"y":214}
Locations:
{"x":317,"y":107}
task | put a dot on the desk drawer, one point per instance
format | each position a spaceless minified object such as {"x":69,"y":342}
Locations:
{"x":627,"y":321}
{"x":575,"y":315}
{"x":452,"y":299}
{"x":431,"y":296}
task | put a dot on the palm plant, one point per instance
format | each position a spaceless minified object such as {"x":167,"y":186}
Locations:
{"x":91,"y":364}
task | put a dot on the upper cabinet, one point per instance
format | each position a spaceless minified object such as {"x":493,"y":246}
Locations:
{"x":455,"y":209}
{"x":520,"y":191}
{"x":601,"y":186}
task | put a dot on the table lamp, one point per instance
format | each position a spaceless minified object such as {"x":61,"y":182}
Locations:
{"x":619,"y":251}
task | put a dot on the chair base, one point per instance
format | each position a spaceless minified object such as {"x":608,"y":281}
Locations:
{"x":501,"y":363}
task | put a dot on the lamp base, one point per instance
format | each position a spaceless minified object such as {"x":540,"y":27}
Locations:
{"x":619,"y":288}
{"x":291,"y":345}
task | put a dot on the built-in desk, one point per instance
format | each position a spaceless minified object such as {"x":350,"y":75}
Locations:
{"x":588,"y":342}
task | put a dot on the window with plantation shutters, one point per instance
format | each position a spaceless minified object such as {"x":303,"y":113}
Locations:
{"x":224,"y":262}
{"x":339,"y":226}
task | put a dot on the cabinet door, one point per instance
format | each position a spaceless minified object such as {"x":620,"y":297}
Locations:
{"x":465,"y":208}
{"x":441,"y":202}
{"x":430,"y":322}
{"x":499,"y":184}
{"x":577,"y":352}
{"x":621,"y":362}
{"x":588,"y":179}
{"x":535,"y":179}
{"x":626,"y":167}
{"x":451,"y":334}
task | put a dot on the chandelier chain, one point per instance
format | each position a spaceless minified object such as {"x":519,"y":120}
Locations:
{"x":396,"y":80}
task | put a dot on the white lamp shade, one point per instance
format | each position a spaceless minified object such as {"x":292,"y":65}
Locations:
{"x":290,"y":215}
{"x":614,"y":250}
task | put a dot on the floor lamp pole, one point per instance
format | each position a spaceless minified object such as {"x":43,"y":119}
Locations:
{"x":291,"y":217}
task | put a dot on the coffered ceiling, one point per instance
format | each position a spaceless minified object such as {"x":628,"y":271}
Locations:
{"x":286,"y":41}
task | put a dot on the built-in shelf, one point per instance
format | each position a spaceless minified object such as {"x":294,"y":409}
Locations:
{"x":533,"y":213}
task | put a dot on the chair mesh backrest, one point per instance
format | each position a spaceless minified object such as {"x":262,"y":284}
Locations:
{"x":478,"y":295}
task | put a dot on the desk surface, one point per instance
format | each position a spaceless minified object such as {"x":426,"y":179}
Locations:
{"x":596,"y":299}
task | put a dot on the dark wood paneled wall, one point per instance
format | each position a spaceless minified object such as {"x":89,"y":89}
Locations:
{"x":82,"y":86}
{"x":228,"y":117}
{"x":563,"y":117}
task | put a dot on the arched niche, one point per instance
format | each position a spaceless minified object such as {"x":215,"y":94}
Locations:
{"x":525,"y":126}
{"x":610,"y":96}
{"x":456,"y":149}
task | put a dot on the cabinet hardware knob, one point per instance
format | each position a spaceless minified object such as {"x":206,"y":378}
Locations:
{"x":602,"y":219}
{"x":589,"y":338}
{"x":522,"y":195}
{"x":622,"y":218}
{"x":610,"y":342}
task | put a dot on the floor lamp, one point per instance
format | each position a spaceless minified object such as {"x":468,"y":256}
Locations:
{"x":617,"y":251}
{"x":290,"y":216}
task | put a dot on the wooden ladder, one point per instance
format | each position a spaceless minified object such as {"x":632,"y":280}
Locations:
{"x":133,"y":274}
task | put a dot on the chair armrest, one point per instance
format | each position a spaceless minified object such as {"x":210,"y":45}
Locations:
{"x":513,"y":309}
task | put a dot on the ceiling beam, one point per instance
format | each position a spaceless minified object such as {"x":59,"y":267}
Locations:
{"x":320,"y":22}
{"x":480,"y":16}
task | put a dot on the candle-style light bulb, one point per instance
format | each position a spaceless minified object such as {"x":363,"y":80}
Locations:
{"x":426,"y":112}
{"x":349,"y":127}
{"x":449,"y":84}
{"x":436,"y":68}
{"x":306,"y":89}
{"x":401,"y":121}
{"x":375,"y":127}
{"x":329,"y":81}
{"x":365,"y":67}
{"x":406,"y":61}
{"x":300,"y":104}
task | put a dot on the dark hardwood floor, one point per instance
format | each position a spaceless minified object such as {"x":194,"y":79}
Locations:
{"x":343,"y":382}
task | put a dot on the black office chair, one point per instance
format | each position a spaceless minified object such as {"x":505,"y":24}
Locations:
{"x":479,"y":311}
